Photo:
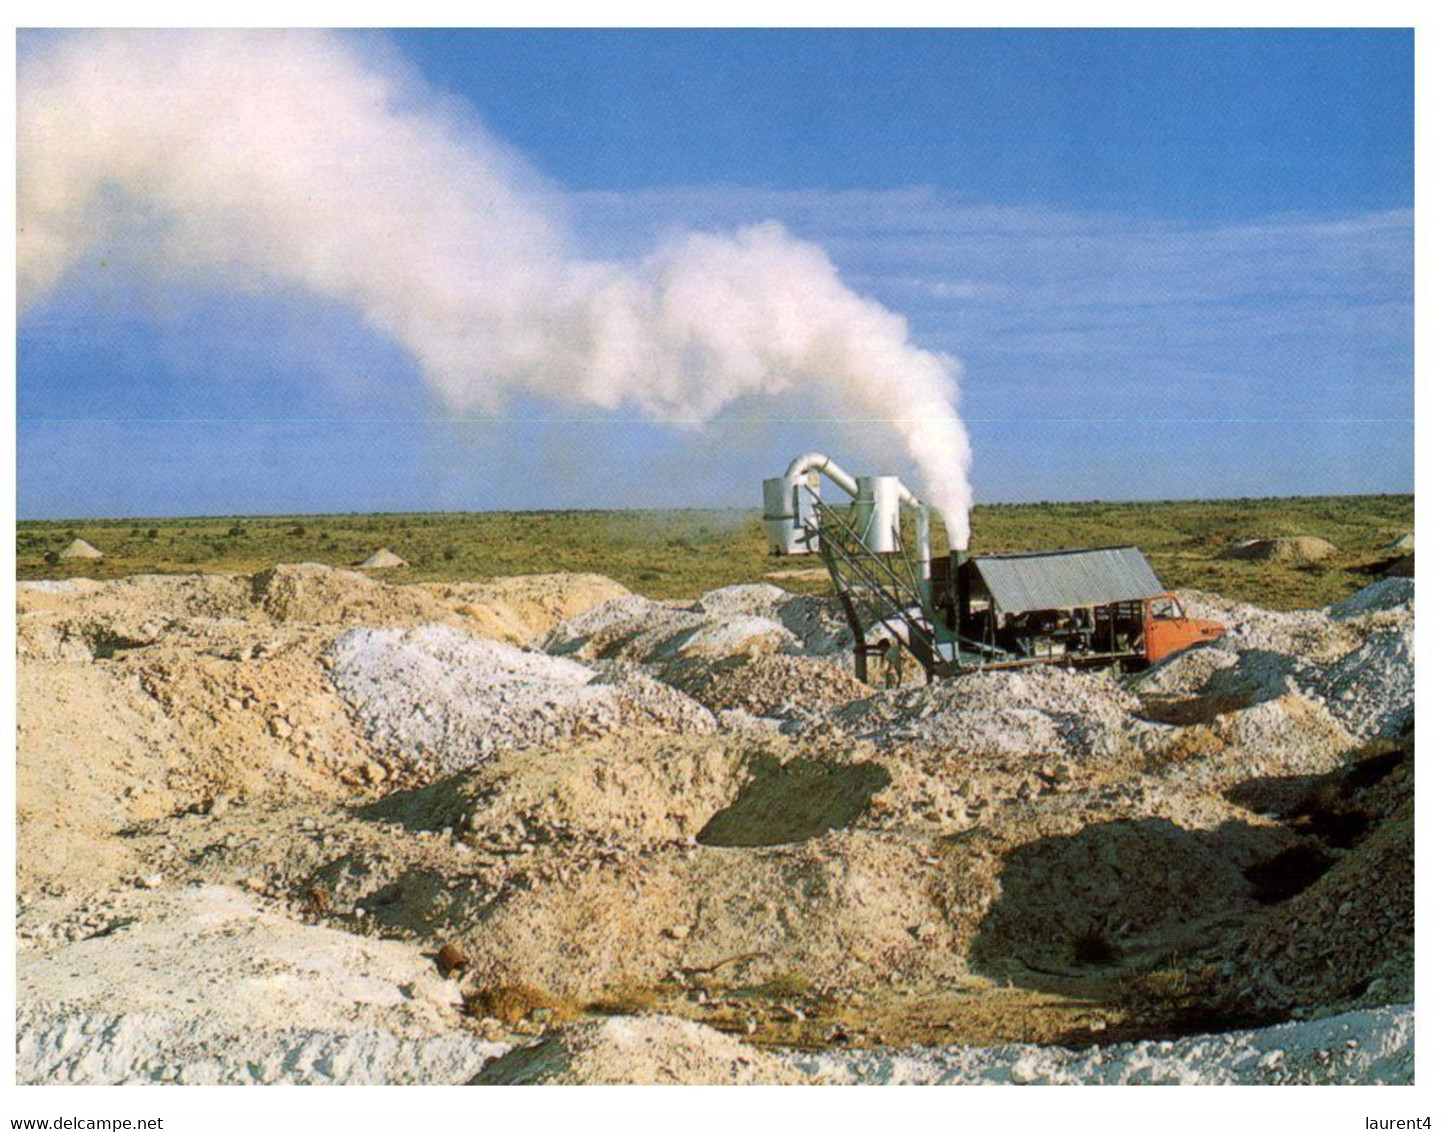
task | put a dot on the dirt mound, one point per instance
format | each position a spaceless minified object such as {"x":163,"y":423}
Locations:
{"x":1372,"y":690}
{"x":1092,"y":880}
{"x":1303,"y":548}
{"x":145,"y":695}
{"x":263,"y":717}
{"x":61,"y":620}
{"x":639,"y":1051}
{"x":816,"y":622}
{"x":106,"y":742}
{"x":382,"y":559}
{"x":842,"y":909}
{"x":79,"y":548}
{"x":746,"y":620}
{"x":441,"y":698}
{"x":774,"y":686}
{"x":1286,"y":693}
{"x":265,"y":1000}
{"x":594,"y":854}
{"x":628,"y":628}
{"x":794,"y":801}
{"x":62,"y":1045}
{"x":222,"y":942}
{"x":1387,"y":596}
{"x":320,"y":595}
{"x":522,"y":610}
{"x":516,"y":610}
{"x":737,"y":636}
{"x":636,"y":791}
{"x":1045,"y":710}
{"x":599,"y":835}
{"x":94,"y":754}
{"x":1349,"y":938}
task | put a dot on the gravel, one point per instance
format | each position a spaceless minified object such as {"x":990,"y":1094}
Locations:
{"x":737,"y":636}
{"x":647,"y":1050}
{"x":58,"y":1045}
{"x":631,"y":628}
{"x":1365,"y":1047}
{"x":1046,"y":710}
{"x":777,"y":686}
{"x":1372,"y":690}
{"x":732,"y":621}
{"x":816,"y":622}
{"x":208,"y":985}
{"x":1380,"y":597}
{"x":438,"y":695}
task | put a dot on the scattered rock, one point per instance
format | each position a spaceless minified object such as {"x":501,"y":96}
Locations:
{"x":652,"y":1050}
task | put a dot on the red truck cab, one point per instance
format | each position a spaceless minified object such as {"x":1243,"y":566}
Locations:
{"x":1169,"y":629}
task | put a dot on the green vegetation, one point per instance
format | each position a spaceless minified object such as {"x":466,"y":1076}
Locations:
{"x":682,"y":553}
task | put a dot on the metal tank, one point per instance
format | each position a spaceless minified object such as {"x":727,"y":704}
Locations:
{"x":790,"y":505}
{"x":878,"y":512}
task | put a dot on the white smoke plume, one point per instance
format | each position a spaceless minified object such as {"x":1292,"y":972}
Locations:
{"x":305,"y":158}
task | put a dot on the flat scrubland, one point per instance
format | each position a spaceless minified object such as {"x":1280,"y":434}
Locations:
{"x":596,"y":798}
{"x":672,"y":554}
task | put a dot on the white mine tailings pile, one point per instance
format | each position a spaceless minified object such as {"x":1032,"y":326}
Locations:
{"x":220,"y":992}
{"x":439,"y":693}
{"x":1370,"y":1046}
{"x":253,"y":810}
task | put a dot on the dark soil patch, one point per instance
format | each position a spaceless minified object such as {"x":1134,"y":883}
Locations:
{"x":1093,"y":948}
{"x":1291,"y":871}
{"x":794,"y":801}
{"x":1193,"y":710}
{"x":1370,"y":771}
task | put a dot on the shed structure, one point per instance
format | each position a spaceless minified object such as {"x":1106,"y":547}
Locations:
{"x":1061,"y":579}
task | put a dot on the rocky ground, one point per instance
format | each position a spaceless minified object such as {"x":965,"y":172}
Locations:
{"x":306,"y":826}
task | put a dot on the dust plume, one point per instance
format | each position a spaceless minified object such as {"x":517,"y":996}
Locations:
{"x":318,"y":161}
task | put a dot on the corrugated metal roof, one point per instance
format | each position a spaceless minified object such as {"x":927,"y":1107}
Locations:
{"x":1067,"y":579}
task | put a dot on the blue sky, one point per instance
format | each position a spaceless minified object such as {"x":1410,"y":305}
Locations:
{"x":1173,"y":264}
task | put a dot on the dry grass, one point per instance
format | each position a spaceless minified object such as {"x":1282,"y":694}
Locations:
{"x":513,"y":1003}
{"x":1189,"y":743}
{"x":626,"y":998}
{"x":788,"y":984}
{"x":682,"y":553}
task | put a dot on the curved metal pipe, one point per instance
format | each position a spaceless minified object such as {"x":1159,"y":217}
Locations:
{"x":817,"y":462}
{"x":820,"y":462}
